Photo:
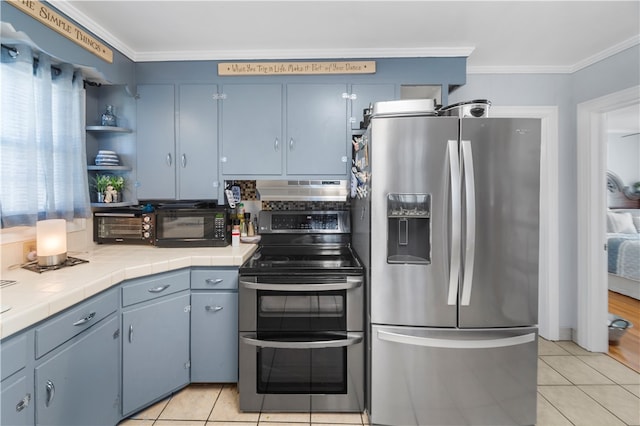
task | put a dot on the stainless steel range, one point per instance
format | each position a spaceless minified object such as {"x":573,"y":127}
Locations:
{"x":301,"y":324}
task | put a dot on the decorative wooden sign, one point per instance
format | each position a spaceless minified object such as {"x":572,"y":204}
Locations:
{"x":298,"y":68}
{"x":63,"y":26}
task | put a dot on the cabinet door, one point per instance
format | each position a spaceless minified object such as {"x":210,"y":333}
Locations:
{"x":79,"y":385}
{"x":16,"y":399}
{"x":214,"y":337}
{"x":156,"y":156}
{"x":252,"y":129}
{"x":316,"y":129}
{"x":155,"y":350}
{"x":366,"y":94}
{"x":197,"y":161}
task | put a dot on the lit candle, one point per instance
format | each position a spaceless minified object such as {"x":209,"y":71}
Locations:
{"x":51,"y":242}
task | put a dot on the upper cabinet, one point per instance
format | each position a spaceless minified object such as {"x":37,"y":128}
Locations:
{"x":251,"y":129}
{"x":177,"y":141}
{"x":316,"y":137}
{"x":302,"y":133}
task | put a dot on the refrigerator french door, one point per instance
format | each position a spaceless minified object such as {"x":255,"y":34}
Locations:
{"x":453,"y":207}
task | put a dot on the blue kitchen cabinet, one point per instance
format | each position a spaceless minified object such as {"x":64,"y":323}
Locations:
{"x":251,"y":130}
{"x":177,"y":135}
{"x":316,"y":138}
{"x":214,"y":325}
{"x":362,"y":95}
{"x":79,"y":384}
{"x":155,"y":338}
{"x":16,"y":395}
{"x":155,"y":130}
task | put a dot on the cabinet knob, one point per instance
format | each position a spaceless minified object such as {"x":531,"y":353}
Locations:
{"x":291,"y":144}
{"x":169,"y":159}
{"x":223,"y":159}
{"x":184,"y":160}
{"x":276,"y":145}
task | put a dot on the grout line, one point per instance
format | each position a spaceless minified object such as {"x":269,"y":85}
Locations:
{"x":557,"y":409}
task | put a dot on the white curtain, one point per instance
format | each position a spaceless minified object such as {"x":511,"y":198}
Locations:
{"x":42,"y":154}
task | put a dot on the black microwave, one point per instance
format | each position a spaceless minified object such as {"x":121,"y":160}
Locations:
{"x":192,"y":227}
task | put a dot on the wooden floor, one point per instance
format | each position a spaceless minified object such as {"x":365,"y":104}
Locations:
{"x":628,"y":351}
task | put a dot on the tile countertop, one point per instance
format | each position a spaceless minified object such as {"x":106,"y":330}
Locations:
{"x":36,"y":297}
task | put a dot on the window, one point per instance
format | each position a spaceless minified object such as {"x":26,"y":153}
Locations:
{"x":42,"y":153}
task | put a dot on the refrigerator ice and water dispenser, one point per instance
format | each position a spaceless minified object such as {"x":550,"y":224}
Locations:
{"x":408,"y":227}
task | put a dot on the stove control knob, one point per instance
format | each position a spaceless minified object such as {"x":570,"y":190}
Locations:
{"x":146,"y":235}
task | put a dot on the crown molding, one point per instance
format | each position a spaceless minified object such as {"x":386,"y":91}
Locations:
{"x":304,"y":54}
{"x":93,"y":27}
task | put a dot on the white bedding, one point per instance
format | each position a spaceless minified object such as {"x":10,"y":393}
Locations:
{"x":623,"y":250}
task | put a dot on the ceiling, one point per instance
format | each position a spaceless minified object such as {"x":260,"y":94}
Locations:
{"x":497,"y":36}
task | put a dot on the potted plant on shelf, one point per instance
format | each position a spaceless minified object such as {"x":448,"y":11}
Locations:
{"x":100,"y":183}
{"x":117,"y":182}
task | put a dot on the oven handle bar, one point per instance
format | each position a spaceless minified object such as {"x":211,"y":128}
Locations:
{"x":352,"y":339}
{"x":351,"y":283}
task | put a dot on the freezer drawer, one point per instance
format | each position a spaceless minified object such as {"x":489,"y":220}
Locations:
{"x":424,"y":376}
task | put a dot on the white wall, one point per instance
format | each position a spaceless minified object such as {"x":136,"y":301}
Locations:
{"x":623,"y":157}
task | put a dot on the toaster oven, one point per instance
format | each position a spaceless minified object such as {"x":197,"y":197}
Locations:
{"x":124,"y":226}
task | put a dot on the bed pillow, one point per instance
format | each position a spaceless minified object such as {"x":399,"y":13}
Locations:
{"x":620,"y":223}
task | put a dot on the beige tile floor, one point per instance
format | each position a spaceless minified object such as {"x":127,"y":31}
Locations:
{"x":575,"y":387}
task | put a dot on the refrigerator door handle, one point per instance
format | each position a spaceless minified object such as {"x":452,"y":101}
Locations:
{"x":431,"y":342}
{"x":454,"y":265}
{"x":470,"y":216}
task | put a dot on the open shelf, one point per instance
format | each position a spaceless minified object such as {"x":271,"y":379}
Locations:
{"x":113,"y":168}
{"x":111,"y":129}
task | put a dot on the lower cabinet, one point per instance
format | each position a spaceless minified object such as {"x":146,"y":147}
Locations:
{"x":155,"y":350}
{"x":214,"y":337}
{"x":79,"y":385}
{"x":16,"y":387}
{"x":17,"y":400}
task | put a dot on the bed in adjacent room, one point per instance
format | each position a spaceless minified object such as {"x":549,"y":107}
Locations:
{"x":623,"y":248}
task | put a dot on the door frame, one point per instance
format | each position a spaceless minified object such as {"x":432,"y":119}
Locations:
{"x":548,"y":269}
{"x":591,"y":326}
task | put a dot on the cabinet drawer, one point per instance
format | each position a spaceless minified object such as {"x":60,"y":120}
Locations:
{"x":214,"y":278}
{"x":13,"y":355}
{"x":149,"y":288}
{"x":63,"y":327}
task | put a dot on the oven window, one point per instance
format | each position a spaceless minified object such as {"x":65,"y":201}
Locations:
{"x":295,"y":371}
{"x":301,"y":311}
{"x":183,"y":227}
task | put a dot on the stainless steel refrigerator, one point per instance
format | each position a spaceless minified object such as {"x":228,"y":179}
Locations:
{"x":446,"y":221}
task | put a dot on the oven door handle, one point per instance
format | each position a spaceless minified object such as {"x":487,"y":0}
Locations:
{"x":351,"y":283}
{"x":352,"y":339}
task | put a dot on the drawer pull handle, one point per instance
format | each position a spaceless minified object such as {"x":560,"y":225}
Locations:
{"x":213,"y":281}
{"x":86,"y":319}
{"x":51,"y":392}
{"x":24,"y":403}
{"x":159,"y":288}
{"x":131,"y":333}
{"x":210,"y":308}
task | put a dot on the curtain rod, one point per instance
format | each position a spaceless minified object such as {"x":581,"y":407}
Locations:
{"x":14,"y":53}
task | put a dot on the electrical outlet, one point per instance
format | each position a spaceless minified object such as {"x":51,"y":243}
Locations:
{"x":28,"y":247}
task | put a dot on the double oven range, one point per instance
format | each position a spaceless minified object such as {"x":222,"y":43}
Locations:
{"x":301,"y":321}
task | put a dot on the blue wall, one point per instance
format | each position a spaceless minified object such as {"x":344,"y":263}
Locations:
{"x":121,"y":71}
{"x":618,"y":72}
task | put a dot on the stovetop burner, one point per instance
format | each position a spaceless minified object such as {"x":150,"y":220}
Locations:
{"x":279,"y":259}
{"x":71,"y":261}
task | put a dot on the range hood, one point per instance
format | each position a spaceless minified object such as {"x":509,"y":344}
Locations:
{"x":303,"y":190}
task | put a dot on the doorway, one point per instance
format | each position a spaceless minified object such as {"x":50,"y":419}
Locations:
{"x":592,"y":293}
